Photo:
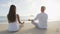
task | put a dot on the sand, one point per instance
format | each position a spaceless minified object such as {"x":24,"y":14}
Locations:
{"x":28,"y":28}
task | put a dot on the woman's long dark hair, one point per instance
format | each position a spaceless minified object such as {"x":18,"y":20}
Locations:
{"x":12,"y":14}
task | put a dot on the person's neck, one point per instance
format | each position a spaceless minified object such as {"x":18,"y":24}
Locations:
{"x":42,"y":12}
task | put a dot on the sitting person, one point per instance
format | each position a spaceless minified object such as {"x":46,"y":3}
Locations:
{"x":13,"y":19}
{"x":42,"y":18}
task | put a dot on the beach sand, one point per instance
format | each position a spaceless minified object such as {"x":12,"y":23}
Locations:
{"x":28,"y":28}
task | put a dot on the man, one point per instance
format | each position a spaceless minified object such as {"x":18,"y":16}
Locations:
{"x":42,"y":18}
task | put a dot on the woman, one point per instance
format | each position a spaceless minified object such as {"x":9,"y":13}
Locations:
{"x":13,"y":19}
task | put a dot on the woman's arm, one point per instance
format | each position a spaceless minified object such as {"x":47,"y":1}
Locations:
{"x":19,"y":19}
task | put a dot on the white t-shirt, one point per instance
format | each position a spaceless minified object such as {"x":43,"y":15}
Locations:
{"x":42,"y":18}
{"x":13,"y":26}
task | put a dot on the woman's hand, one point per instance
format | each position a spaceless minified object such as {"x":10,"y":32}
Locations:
{"x":21,"y":23}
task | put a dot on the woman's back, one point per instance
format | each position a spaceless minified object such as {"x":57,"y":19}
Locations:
{"x":12,"y":19}
{"x":13,"y":26}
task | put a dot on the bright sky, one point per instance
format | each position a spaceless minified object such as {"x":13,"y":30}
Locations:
{"x":32,"y":7}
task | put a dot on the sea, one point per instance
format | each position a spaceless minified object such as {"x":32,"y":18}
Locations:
{"x":3,"y":19}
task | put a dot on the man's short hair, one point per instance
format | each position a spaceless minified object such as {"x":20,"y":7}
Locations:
{"x":43,"y":7}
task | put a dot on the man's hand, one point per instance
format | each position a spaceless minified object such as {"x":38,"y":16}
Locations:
{"x":32,"y":20}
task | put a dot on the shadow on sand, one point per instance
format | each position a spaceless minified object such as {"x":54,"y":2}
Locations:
{"x":29,"y":31}
{"x":34,"y":31}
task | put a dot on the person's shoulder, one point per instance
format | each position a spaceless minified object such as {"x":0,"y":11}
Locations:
{"x":39,"y":13}
{"x":46,"y":14}
{"x":17,"y":14}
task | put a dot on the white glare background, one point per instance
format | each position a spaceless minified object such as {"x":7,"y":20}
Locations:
{"x":32,"y":7}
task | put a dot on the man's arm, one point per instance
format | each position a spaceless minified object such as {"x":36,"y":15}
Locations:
{"x":36,"y":17}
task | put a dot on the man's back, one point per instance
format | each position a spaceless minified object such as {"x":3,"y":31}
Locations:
{"x":42,"y":18}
